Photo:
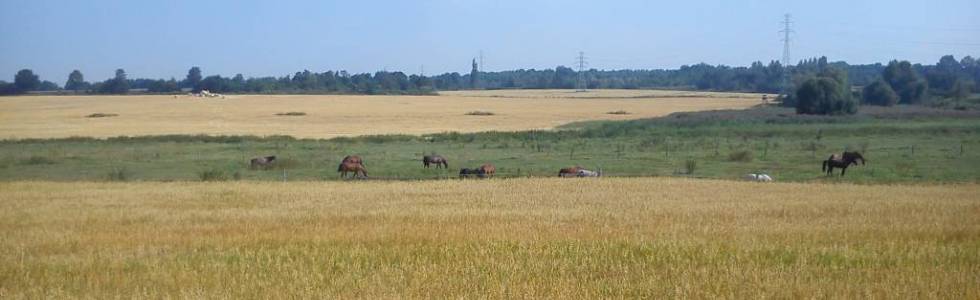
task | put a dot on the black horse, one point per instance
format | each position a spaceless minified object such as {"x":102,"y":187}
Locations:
{"x":466,"y":173}
{"x":439,"y":161}
{"x":842,"y":161}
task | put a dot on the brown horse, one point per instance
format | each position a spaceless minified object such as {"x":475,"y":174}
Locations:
{"x":842,"y":161}
{"x":569,"y":172}
{"x":353,"y":159}
{"x":346,"y":167}
{"x":264,"y":162}
{"x":488,"y":170}
{"x":434,"y":159}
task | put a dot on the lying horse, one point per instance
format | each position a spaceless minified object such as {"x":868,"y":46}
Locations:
{"x":346,"y":167}
{"x":466,"y":173}
{"x":434,"y":159}
{"x":588,"y":173}
{"x":569,"y":172}
{"x":262,"y":162}
{"x":842,"y":161}
{"x":757,"y":177}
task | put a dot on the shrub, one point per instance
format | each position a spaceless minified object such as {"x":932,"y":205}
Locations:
{"x":292,"y":114}
{"x":120,"y":174}
{"x":479,"y":113}
{"x":824,"y":96}
{"x":690,"y":165}
{"x":741,"y":156}
{"x":212,"y":175}
{"x":38,"y":160}
{"x":879,"y":93}
{"x":618,"y":112}
{"x":101,"y":115}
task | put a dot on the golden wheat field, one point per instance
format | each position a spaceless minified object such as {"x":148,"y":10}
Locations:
{"x":516,"y":238}
{"x":328,"y":115}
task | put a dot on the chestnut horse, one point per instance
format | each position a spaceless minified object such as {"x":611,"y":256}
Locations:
{"x":352,"y":163}
{"x":346,"y":167}
{"x":842,"y":161}
{"x":488,"y":170}
{"x":569,"y":172}
{"x":434,"y":159}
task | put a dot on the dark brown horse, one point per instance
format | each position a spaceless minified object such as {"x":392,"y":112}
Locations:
{"x":488,"y":170}
{"x":466,"y":173}
{"x":842,"y":161}
{"x":569,"y":172}
{"x":346,"y":167}
{"x":353,"y":159}
{"x":264,"y":162}
{"x":434,"y":159}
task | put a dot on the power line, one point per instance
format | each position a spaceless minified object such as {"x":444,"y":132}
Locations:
{"x":786,"y":58}
{"x":786,"y":32}
{"x":581,"y":72}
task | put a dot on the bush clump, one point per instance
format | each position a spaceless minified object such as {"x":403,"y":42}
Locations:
{"x":479,"y":113}
{"x":741,"y":156}
{"x":101,"y":115}
{"x":212,"y":175}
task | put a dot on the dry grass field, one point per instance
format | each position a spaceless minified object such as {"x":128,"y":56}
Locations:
{"x":328,"y":116}
{"x":517,"y":238}
{"x":601,"y":94}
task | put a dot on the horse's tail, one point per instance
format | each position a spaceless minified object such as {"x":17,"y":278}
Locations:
{"x":824,"y":168}
{"x":340,"y":167}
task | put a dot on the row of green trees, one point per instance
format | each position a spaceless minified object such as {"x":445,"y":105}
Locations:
{"x":823,"y":88}
{"x":910,"y":83}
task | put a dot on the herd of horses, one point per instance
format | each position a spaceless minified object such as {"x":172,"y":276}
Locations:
{"x":353,"y":166}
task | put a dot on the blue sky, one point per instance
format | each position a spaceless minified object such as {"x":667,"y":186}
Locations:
{"x":162,"y":39}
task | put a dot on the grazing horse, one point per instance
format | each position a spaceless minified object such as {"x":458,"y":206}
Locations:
{"x":434,"y":159}
{"x":353,"y":159}
{"x":588,"y":173}
{"x":487,"y":170}
{"x":569,"y":172}
{"x":346,"y":167}
{"x":466,"y":173}
{"x":842,"y":161}
{"x":263,"y":162}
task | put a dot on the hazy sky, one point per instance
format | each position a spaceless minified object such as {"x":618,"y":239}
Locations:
{"x":162,"y":39}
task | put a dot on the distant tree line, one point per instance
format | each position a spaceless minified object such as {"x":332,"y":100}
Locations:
{"x":910,"y":83}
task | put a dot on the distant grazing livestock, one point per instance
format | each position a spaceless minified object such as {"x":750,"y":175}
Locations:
{"x":569,"y":172}
{"x":757,"y":177}
{"x":352,"y":163}
{"x":588,"y":173}
{"x":353,"y":159}
{"x":349,"y":167}
{"x":466,"y":173}
{"x":434,"y":159}
{"x":842,"y":161}
{"x":262,"y":162}
{"x":488,"y":170}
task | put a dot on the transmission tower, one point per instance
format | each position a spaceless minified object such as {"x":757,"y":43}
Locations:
{"x":786,"y":59}
{"x":580,"y":85}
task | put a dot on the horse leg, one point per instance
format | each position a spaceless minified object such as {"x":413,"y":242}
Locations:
{"x":842,"y":170}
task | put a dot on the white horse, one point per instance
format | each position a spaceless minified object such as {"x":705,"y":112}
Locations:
{"x":588,"y":173}
{"x":757,"y":177}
